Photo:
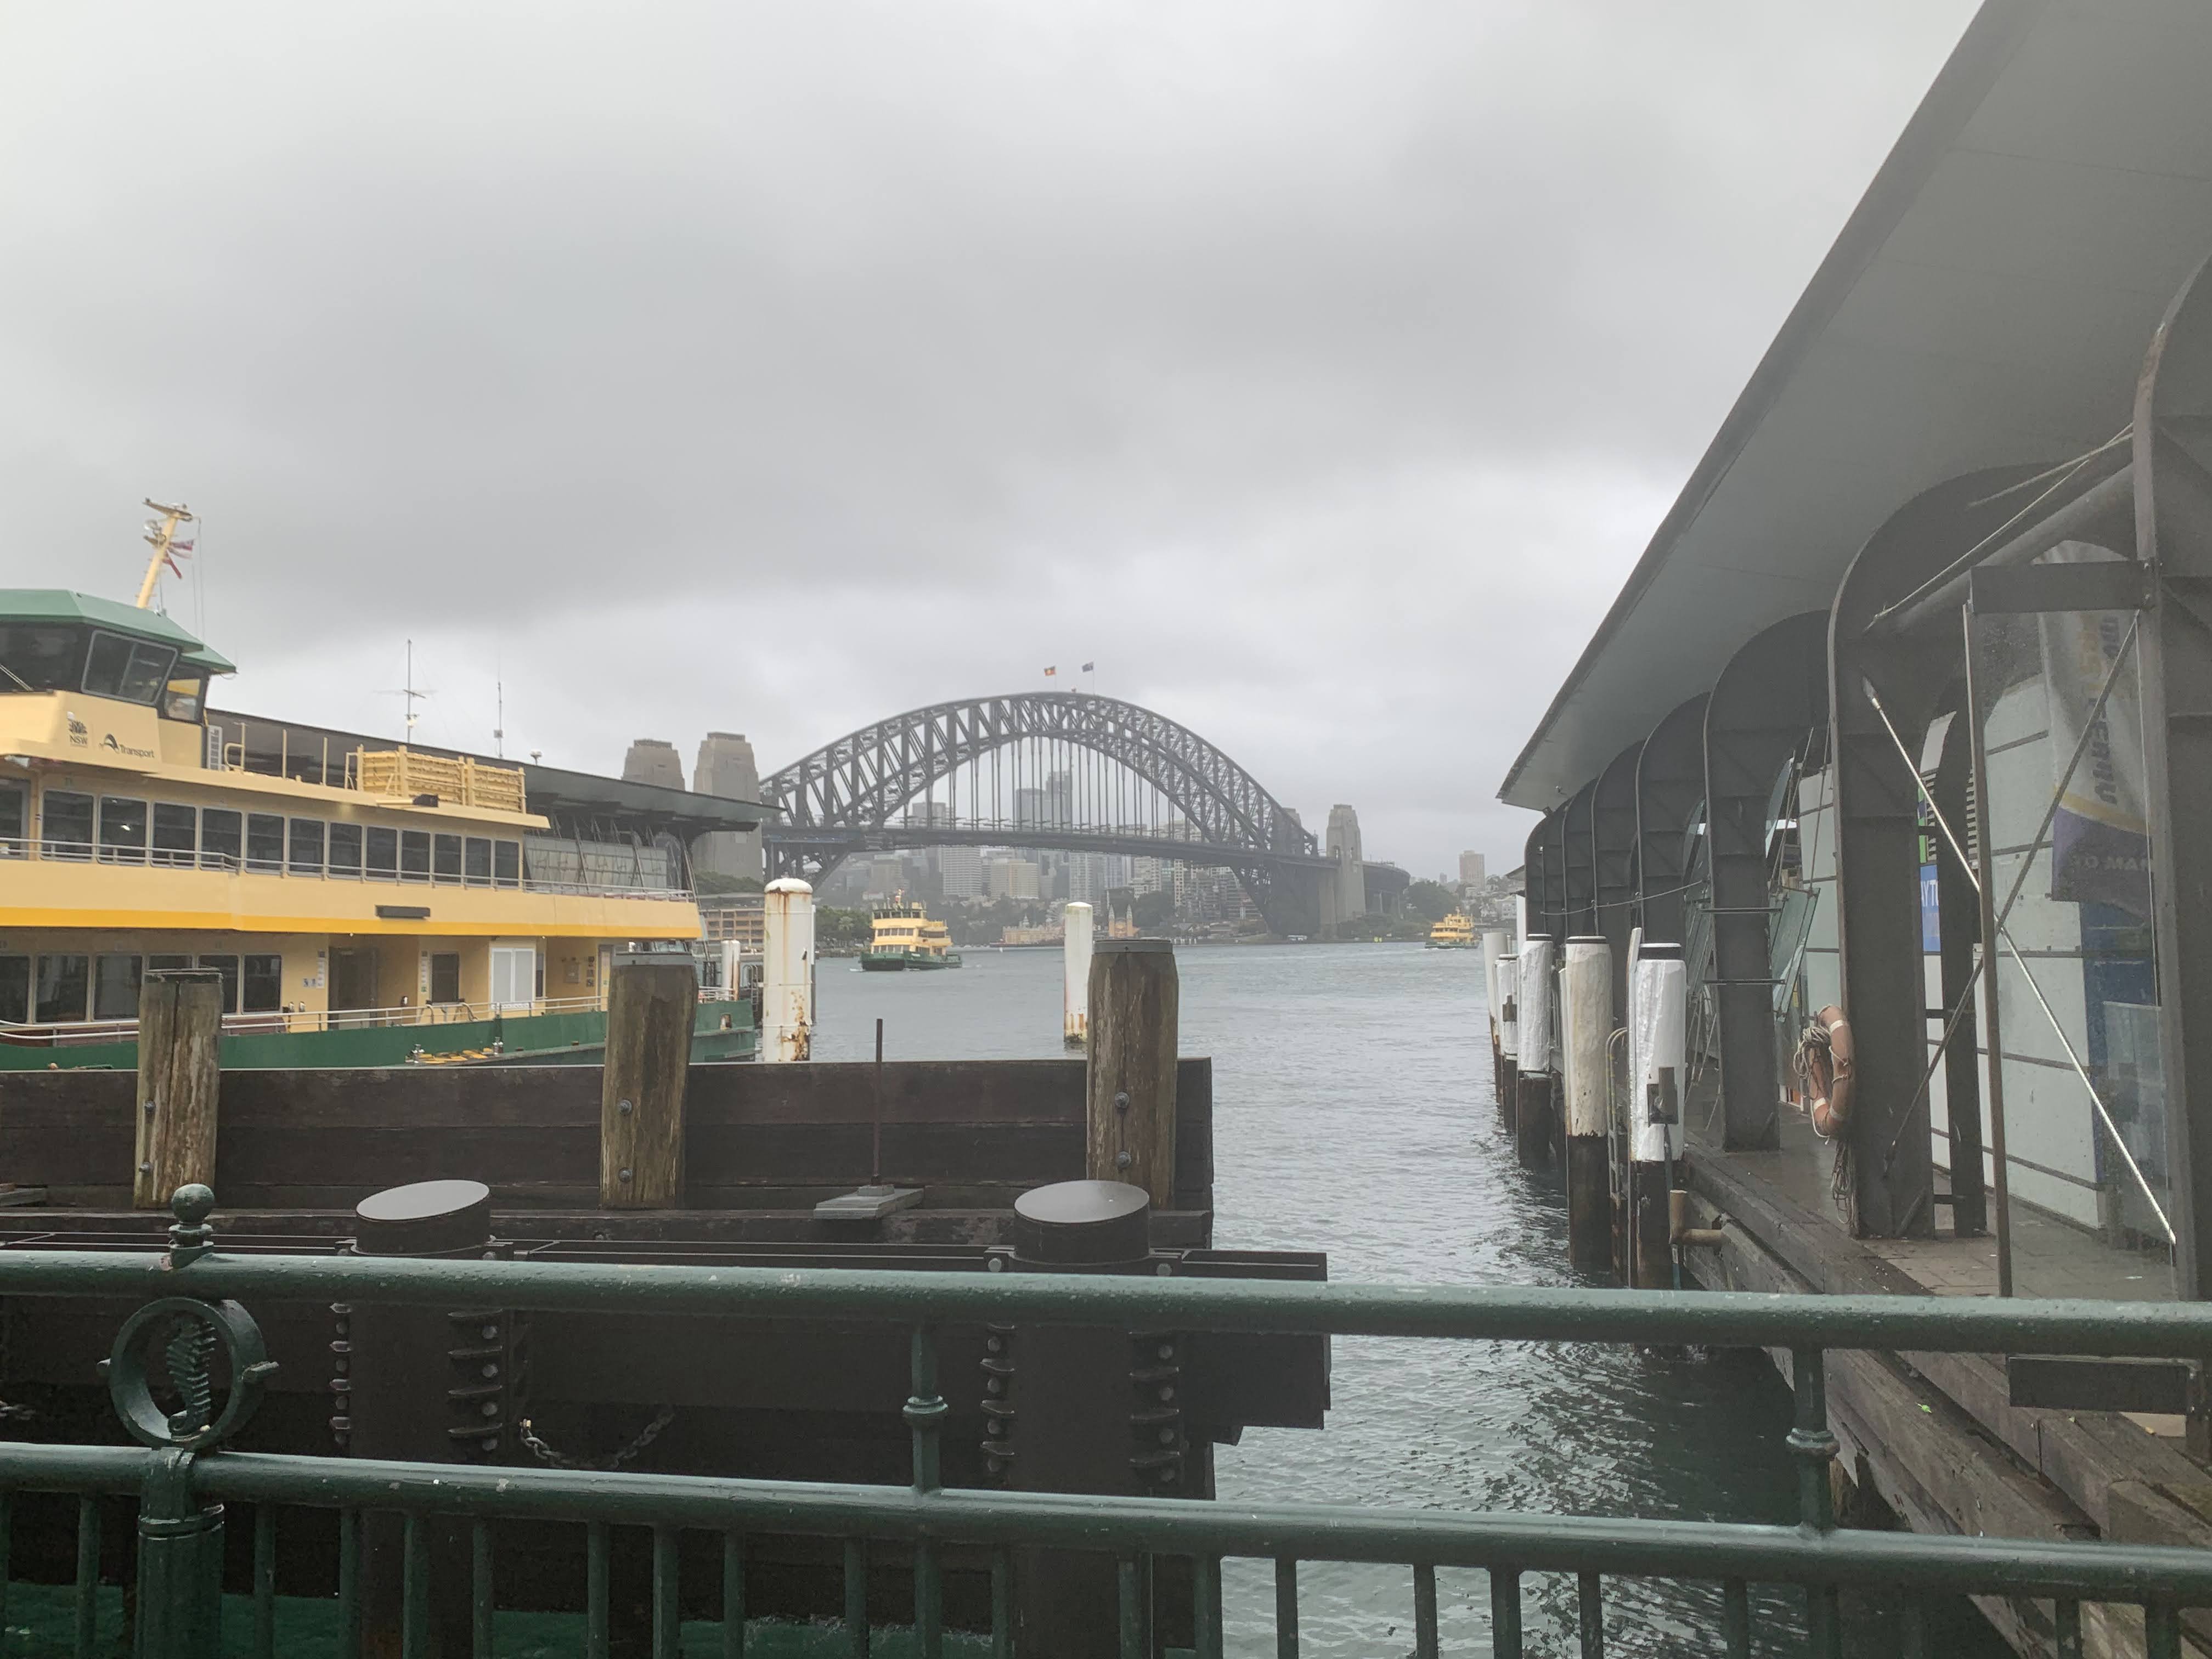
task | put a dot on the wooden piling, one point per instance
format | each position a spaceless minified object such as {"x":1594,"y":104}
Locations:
{"x":1532,"y":1027}
{"x":179,"y":1075}
{"x":1130,"y":1092}
{"x":651,"y":1001}
{"x":1508,"y":1042}
{"x":1586,"y":1068}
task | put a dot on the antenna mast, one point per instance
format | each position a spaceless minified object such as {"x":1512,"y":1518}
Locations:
{"x":162,"y":537}
{"x":412,"y":695}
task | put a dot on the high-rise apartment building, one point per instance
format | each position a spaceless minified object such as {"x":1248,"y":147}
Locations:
{"x":961,"y":869}
{"x":1471,"y":872}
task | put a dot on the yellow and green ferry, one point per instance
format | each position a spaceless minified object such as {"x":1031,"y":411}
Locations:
{"x":1454,"y":932}
{"x":904,"y":936}
{"x":367,"y":905}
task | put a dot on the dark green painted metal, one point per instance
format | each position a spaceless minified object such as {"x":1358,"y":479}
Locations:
{"x":1130,"y":1619}
{"x":1736,"y":1618}
{"x":1505,"y":1612}
{"x":7,"y":1548}
{"x":1205,"y":1605}
{"x":480,"y":1620}
{"x":1286,"y":1607}
{"x":666,"y":1617}
{"x":1589,"y":1611}
{"x":595,"y":1591}
{"x":2161,"y":1631}
{"x":1912,"y":1629}
{"x":87,"y":1631}
{"x":1002,"y":1603}
{"x":414,"y":1587}
{"x":2067,"y":1618}
{"x":856,"y":1597}
{"x":733,"y":1595}
{"x":264,"y":1581}
{"x":1716,"y":1319}
{"x":1424,"y":1610}
{"x":1813,"y":1443}
{"x":928,"y":1602}
{"x":349,"y":1583}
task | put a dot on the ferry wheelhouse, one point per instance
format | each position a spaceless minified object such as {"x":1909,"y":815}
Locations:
{"x":363,"y":904}
{"x":903,"y":936}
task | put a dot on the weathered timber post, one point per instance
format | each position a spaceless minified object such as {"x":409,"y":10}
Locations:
{"x":1129,"y":1110}
{"x":787,"y":970}
{"x":1075,"y":974}
{"x":1508,"y":1039}
{"x":179,"y":1075}
{"x":1493,"y":946}
{"x":1657,"y":1044}
{"x":651,"y":1004}
{"x":1586,"y":1069}
{"x":1532,"y":1024}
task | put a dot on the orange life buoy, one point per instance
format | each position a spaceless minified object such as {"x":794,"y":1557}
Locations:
{"x":1826,"y":1061}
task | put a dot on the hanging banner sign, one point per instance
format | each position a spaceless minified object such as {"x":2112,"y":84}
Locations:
{"x":2100,"y":838}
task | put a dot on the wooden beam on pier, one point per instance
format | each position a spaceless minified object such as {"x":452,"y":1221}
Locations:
{"x":651,"y":1003}
{"x":179,"y":1037}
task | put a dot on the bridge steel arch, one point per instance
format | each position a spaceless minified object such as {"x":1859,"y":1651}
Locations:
{"x":858,"y":781}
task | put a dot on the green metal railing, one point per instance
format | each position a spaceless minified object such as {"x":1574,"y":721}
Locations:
{"x":179,"y":1469}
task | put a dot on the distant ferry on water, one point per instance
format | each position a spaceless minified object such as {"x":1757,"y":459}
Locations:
{"x":359,"y":903}
{"x":904,"y":937}
{"x":1454,"y":932}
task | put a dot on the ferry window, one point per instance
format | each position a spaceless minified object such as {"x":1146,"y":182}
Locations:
{"x":67,"y":830}
{"x":14,"y":816}
{"x":449,"y":857}
{"x":228,"y":967}
{"x":307,"y":847}
{"x":445,"y":977}
{"x":383,"y":852}
{"x":507,"y":863}
{"x":33,"y":658}
{"x":115,"y":987}
{"x":184,"y":694}
{"x":345,"y":849}
{"x":265,"y":843}
{"x":414,"y":855}
{"x":63,"y":982}
{"x":476,"y":861}
{"x":176,"y":834}
{"x":160,"y":965}
{"x":15,"y":989}
{"x":263,"y":985}
{"x":133,"y":670}
{"x":222,"y":843}
{"x":122,"y":830}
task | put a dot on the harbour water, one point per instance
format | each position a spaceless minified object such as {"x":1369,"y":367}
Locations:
{"x":1354,"y":1114}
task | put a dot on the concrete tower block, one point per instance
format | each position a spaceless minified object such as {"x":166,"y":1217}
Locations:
{"x":653,"y":760}
{"x":727,"y":767}
{"x":1343,"y":846}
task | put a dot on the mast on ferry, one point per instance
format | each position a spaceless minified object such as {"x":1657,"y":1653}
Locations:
{"x":162,"y":537}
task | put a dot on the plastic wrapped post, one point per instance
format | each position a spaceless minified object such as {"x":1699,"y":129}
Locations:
{"x":1533,"y":1028}
{"x":1493,"y":946}
{"x":1657,"y":1078}
{"x":1586,"y":1072}
{"x":1509,"y":1039}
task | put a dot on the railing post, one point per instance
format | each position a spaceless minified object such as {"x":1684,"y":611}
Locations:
{"x":179,"y":1565}
{"x":925,"y":1413}
{"x":651,"y":1004}
{"x":1813,"y":1443}
{"x":180,"y":1074}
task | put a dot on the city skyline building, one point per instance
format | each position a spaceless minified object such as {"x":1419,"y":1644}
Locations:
{"x":1471,"y":870}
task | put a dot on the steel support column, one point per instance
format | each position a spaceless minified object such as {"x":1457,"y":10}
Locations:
{"x":1670,"y":782}
{"x":1614,"y":843}
{"x":1772,"y":695}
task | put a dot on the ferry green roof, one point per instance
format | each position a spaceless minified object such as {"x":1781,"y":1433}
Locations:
{"x":58,"y":604}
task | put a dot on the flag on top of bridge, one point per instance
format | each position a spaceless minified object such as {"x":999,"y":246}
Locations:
{"x":1050,"y":672}
{"x":1090,"y":668}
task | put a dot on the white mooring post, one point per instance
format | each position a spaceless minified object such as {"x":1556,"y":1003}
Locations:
{"x":1532,"y":1025}
{"x":1509,"y":1042}
{"x":1075,"y":974}
{"x":1493,"y":946}
{"x":1657,"y":1041}
{"x":787,"y":970}
{"x":1586,"y":1073}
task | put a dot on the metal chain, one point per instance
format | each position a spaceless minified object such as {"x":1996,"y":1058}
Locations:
{"x":646,"y":1436}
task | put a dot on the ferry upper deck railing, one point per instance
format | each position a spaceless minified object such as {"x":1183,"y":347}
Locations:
{"x":282,"y":861}
{"x":181,"y":1466}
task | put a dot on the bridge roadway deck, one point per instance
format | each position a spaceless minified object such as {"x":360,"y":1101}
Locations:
{"x":1933,"y":1437}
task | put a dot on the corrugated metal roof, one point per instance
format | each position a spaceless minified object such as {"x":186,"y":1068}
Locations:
{"x":1988,"y":303}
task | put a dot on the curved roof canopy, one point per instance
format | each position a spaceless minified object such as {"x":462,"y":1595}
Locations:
{"x":1988,"y":303}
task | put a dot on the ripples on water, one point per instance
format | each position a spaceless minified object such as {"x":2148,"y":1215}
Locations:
{"x":1353,"y":1112}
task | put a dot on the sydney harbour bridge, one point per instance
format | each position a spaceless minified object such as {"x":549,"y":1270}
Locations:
{"x":1065,"y":771}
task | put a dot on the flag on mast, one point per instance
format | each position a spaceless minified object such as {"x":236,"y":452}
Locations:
{"x":1050,"y":672}
{"x":1090,"y":668}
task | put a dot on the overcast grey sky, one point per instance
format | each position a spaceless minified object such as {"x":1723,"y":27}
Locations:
{"x":1319,"y":370}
